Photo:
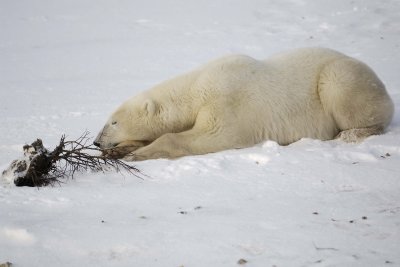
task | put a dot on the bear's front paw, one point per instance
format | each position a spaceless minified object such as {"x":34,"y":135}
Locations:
{"x":112,"y":153}
{"x":122,"y":150}
{"x":130,"y":157}
{"x":139,"y":155}
{"x":117,"y":152}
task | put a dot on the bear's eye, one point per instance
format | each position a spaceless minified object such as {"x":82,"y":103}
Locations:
{"x":114,"y":122}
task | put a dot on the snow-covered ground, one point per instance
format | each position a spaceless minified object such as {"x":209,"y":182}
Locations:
{"x":65,"y":65}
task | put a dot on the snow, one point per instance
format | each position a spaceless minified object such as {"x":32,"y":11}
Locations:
{"x":65,"y":65}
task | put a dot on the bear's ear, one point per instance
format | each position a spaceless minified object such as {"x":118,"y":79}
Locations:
{"x":149,"y":107}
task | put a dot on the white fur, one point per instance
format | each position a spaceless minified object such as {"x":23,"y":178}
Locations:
{"x":237,"y":101}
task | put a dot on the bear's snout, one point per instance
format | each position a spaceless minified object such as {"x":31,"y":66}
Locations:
{"x":96,"y":143}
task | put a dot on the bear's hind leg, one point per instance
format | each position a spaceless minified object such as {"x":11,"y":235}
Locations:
{"x":356,"y":99}
{"x":359,"y":134}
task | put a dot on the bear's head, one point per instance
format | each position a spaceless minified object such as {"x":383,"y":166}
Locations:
{"x":133,"y":122}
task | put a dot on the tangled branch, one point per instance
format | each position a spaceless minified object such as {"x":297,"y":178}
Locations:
{"x":40,"y":167}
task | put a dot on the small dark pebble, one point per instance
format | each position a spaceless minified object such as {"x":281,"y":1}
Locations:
{"x":351,"y":221}
{"x":364,"y":217}
{"x":198,"y":207}
{"x":242,"y":261}
{"x":143,"y":217}
{"x":102,"y":221}
{"x":182,"y":212}
{"x":315,"y":213}
{"x":388,"y":262}
{"x":387,"y":155}
{"x":355,"y":162}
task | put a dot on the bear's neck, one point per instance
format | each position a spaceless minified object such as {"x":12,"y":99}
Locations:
{"x":177,"y":103}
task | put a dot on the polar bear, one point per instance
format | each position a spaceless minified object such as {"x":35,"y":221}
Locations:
{"x":237,"y":102}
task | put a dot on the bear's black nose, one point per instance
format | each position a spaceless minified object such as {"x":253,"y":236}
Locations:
{"x":96,"y":144}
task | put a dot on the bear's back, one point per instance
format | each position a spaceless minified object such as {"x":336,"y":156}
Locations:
{"x":277,"y":90}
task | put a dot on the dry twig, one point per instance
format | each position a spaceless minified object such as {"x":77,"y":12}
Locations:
{"x":41,"y":167}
